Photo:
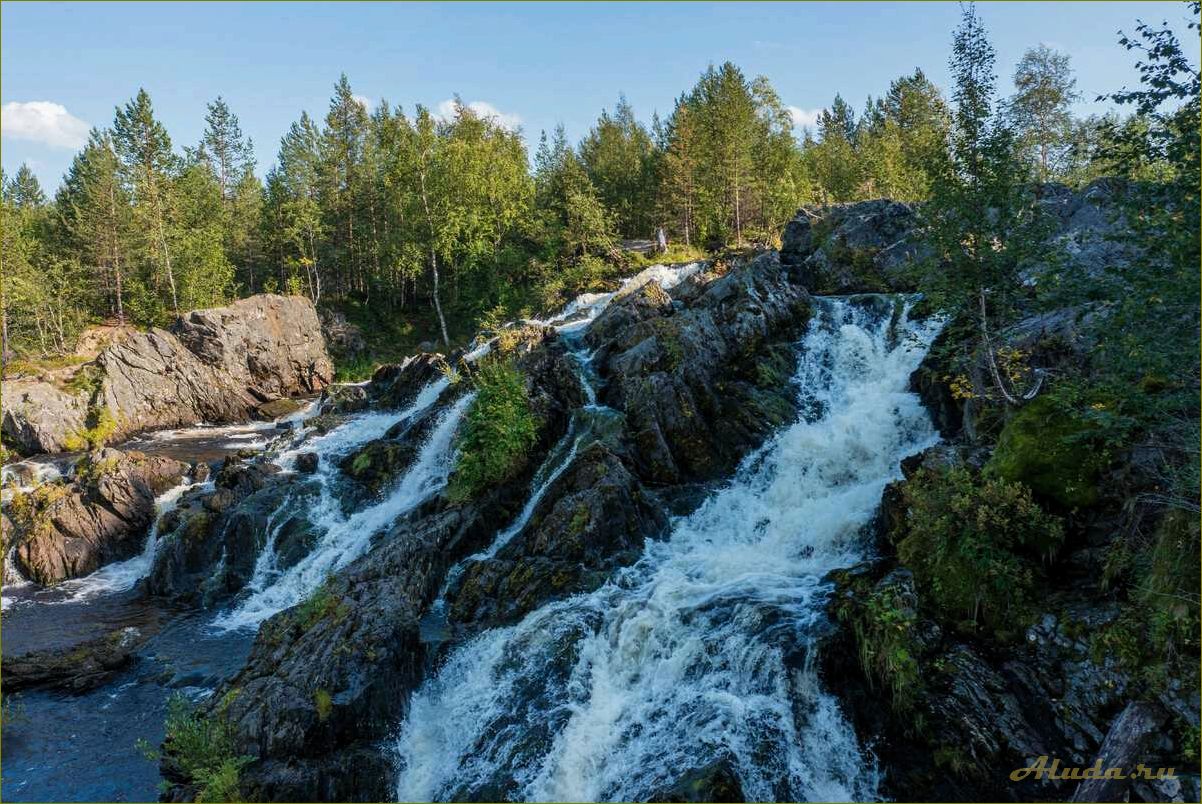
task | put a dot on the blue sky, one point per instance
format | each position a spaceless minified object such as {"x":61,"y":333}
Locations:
{"x":538,"y":64}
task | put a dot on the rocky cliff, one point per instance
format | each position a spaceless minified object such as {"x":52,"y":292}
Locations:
{"x":216,"y":365}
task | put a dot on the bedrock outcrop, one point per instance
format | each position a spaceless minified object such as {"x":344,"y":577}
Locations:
{"x":216,"y":365}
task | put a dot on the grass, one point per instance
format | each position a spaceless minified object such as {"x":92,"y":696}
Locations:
{"x":319,"y":605}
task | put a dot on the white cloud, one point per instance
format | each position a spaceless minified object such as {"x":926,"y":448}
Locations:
{"x":364,"y":101}
{"x":446,"y":111}
{"x":44,"y":122}
{"x":804,"y":117}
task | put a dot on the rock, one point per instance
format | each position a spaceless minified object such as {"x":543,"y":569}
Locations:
{"x":342,"y":337}
{"x":716,"y":782}
{"x":215,"y":365}
{"x":592,"y":519}
{"x":200,"y":472}
{"x":344,"y":399}
{"x":1125,"y":746}
{"x":38,"y":416}
{"x":209,"y":548}
{"x":396,"y":385}
{"x":69,"y":530}
{"x":278,"y":408}
{"x":75,"y":669}
{"x":700,"y":386}
{"x":307,"y":462}
{"x":864,"y":247}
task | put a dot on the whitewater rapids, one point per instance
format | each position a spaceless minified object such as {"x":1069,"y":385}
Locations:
{"x":689,"y":657}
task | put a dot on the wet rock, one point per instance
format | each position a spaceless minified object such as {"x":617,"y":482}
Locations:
{"x":201,"y":472}
{"x":361,"y":647}
{"x":307,"y":462}
{"x":396,"y":385}
{"x":278,"y":408}
{"x":344,"y":399}
{"x":209,"y":546}
{"x":593,"y":519}
{"x":701,"y":385}
{"x":716,"y":782}
{"x":217,"y":365}
{"x":75,"y":669}
{"x":68,"y":530}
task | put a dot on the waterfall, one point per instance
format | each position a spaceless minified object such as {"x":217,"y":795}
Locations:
{"x":345,"y":537}
{"x":683,"y":660}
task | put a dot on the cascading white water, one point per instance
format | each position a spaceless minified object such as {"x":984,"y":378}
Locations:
{"x":345,"y":537}
{"x":680,"y":661}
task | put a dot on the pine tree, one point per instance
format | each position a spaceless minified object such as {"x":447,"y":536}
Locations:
{"x":147,"y":163}
{"x":94,"y":214}
{"x":25,"y":191}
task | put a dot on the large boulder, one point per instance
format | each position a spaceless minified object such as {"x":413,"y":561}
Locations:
{"x":210,"y":544}
{"x":76,"y":668}
{"x":593,"y":518}
{"x":64,"y":531}
{"x":217,"y":365}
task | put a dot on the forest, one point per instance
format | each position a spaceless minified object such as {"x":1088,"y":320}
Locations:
{"x":422,"y":228}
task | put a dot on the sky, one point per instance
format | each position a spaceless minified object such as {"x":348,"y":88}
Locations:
{"x":64,"y":67}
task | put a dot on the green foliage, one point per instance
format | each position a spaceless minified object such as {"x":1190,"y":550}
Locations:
{"x":324,"y":704}
{"x":204,"y":748}
{"x":883,"y":619}
{"x":1054,"y":452}
{"x":101,"y":426}
{"x":973,"y":543}
{"x":497,"y":433}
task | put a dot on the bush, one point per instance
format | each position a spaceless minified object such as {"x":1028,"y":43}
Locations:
{"x":100,"y":428}
{"x":204,"y":748}
{"x":497,"y":432}
{"x":971,"y":542}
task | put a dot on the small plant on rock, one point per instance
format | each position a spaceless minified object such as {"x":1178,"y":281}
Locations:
{"x":498,"y":431}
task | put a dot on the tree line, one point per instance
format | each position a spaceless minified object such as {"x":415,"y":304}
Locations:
{"x":447,"y":219}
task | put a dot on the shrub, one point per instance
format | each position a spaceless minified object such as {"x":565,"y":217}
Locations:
{"x":498,"y":431}
{"x":971,"y":540}
{"x":204,"y":748}
{"x":319,"y":605}
{"x":100,"y":428}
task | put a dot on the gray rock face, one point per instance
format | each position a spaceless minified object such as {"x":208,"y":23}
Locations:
{"x":215,"y":365}
{"x":71,"y":530}
{"x":852,"y":248}
{"x":701,"y":375}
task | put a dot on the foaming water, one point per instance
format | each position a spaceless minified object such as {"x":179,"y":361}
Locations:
{"x":345,"y":537}
{"x":691,"y":656}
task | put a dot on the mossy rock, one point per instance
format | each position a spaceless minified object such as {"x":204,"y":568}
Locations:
{"x":1049,"y":450}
